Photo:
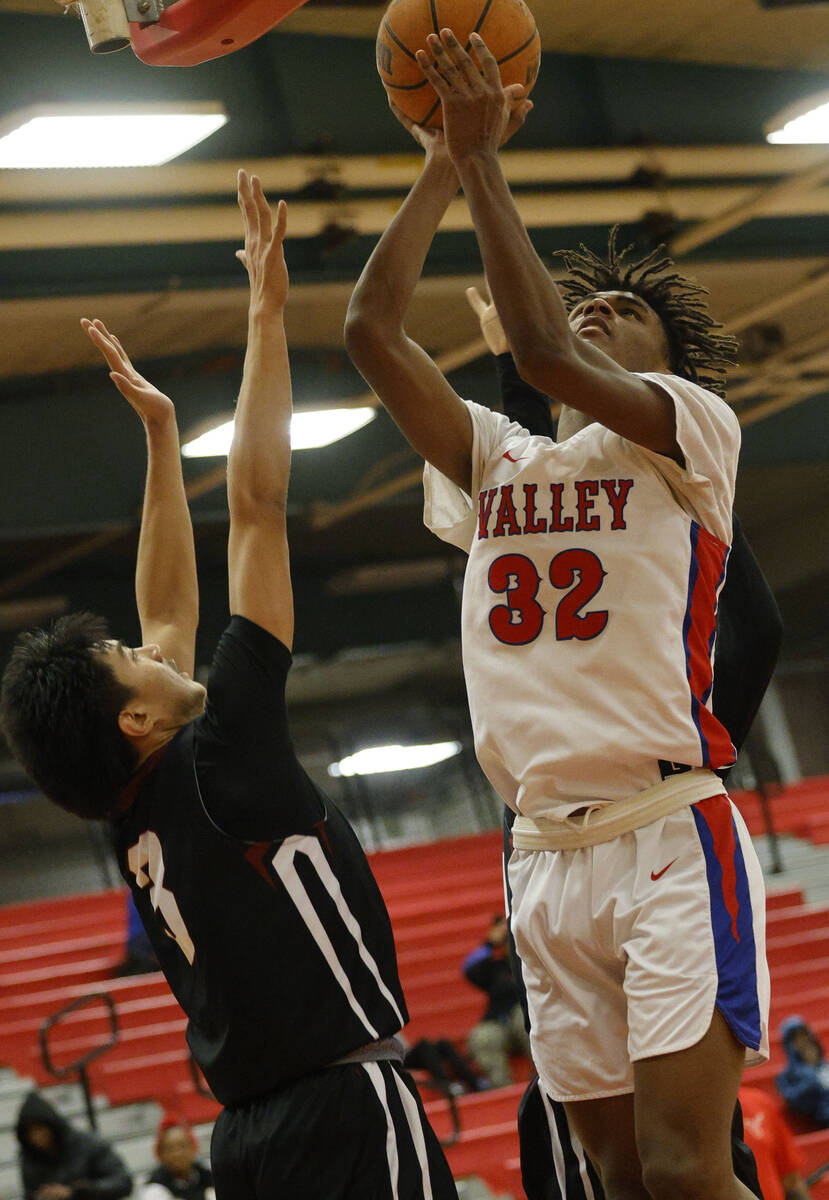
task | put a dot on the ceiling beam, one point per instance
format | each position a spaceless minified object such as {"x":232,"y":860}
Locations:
{"x":192,"y":223}
{"x":394,"y":172}
{"x":790,"y":396}
{"x":763,"y":203}
{"x":807,"y":289}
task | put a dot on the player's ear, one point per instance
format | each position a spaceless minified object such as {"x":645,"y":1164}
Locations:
{"x":135,"y":721}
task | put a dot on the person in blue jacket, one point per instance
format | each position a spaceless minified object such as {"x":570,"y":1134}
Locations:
{"x":804,"y":1082}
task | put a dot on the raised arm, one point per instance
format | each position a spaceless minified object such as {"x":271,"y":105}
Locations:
{"x":548,"y":354}
{"x":259,"y":462}
{"x":427,"y":410}
{"x":166,"y":586}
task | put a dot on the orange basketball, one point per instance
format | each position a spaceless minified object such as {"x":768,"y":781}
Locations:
{"x":507,"y":27}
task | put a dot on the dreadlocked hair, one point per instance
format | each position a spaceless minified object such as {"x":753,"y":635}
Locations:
{"x":697,"y":350}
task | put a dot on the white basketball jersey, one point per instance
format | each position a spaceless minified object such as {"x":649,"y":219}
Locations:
{"x":589,"y":603}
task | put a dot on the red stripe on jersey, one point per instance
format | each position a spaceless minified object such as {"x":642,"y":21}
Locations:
{"x":710,"y":555}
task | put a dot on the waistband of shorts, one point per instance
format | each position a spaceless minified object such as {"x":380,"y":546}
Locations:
{"x":390,"y":1049}
{"x":603,"y":822}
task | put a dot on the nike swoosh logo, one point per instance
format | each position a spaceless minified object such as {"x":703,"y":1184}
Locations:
{"x":659,"y":874}
{"x":509,"y":457}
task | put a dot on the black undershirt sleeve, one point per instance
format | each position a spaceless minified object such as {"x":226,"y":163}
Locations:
{"x":251,"y":783}
{"x":522,"y":403}
{"x":749,"y":633}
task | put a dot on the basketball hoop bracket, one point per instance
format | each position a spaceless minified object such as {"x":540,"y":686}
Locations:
{"x":185,"y":33}
{"x":143,"y":12}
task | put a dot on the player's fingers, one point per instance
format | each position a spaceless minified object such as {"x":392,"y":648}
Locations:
{"x":116,"y":342}
{"x":449,"y":63}
{"x":281,"y":221}
{"x":241,"y":188}
{"x":249,"y":213}
{"x":489,"y":64}
{"x":125,"y":387}
{"x":438,"y":81}
{"x":101,"y":342}
{"x":263,"y":210}
{"x":477,"y":302}
{"x":116,"y":351}
{"x":240,"y":254}
{"x":461,"y":62}
{"x":405,"y":121}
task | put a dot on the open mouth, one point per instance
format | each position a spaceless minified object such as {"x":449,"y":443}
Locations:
{"x":594,"y":323}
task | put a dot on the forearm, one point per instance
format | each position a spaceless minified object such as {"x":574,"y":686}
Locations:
{"x":259,"y":462}
{"x":385,"y":288}
{"x":548,"y":355}
{"x":166,"y":585}
{"x":528,"y":302}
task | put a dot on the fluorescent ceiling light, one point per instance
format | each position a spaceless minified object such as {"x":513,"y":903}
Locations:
{"x":806,"y":122}
{"x":105,"y":135}
{"x":309,"y":429}
{"x":393,"y":758}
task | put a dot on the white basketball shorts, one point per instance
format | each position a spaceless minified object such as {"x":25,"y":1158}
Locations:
{"x":628,"y":946}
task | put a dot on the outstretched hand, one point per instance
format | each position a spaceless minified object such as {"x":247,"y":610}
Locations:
{"x":152,"y":406}
{"x":479,"y":113}
{"x":263,"y":255}
{"x":488,"y":318}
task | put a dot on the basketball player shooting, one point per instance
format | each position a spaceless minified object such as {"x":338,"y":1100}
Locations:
{"x":749,"y":634}
{"x":588,"y":624}
{"x":254,"y":890}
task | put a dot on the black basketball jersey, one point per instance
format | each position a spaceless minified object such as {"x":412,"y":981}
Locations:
{"x":254,"y":889}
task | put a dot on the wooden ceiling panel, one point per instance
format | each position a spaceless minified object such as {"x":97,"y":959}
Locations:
{"x":711,"y":31}
{"x":186,"y":321}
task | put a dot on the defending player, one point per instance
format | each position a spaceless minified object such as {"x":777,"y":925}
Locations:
{"x":258,"y":899}
{"x":749,"y":633}
{"x":588,"y":622}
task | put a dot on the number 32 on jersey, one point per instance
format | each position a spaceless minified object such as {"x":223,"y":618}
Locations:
{"x":520,"y":619}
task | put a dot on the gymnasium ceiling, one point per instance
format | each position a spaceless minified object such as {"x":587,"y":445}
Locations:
{"x":650,"y":114}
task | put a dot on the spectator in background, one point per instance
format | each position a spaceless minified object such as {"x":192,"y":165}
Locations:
{"x":179,"y":1173}
{"x":443,"y":1063}
{"x":58,"y":1162}
{"x":804,"y":1082}
{"x":779,"y":1162}
{"x":501,"y":1031}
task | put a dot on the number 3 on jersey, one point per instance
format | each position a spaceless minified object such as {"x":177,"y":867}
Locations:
{"x":520,"y":620}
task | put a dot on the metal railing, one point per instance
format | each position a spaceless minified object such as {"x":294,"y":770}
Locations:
{"x":80,"y":1065}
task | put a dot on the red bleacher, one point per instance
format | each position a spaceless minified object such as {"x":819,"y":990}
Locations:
{"x":801,"y":809}
{"x":441,"y":897}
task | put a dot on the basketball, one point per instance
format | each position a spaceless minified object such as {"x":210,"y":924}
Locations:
{"x":507,"y":27}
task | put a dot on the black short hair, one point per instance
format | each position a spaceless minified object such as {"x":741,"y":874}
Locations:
{"x":59,"y":706}
{"x":696,"y":349}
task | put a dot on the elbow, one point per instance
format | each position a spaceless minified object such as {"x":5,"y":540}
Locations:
{"x":252,"y":500}
{"x":536,"y":365}
{"x":365,"y":331}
